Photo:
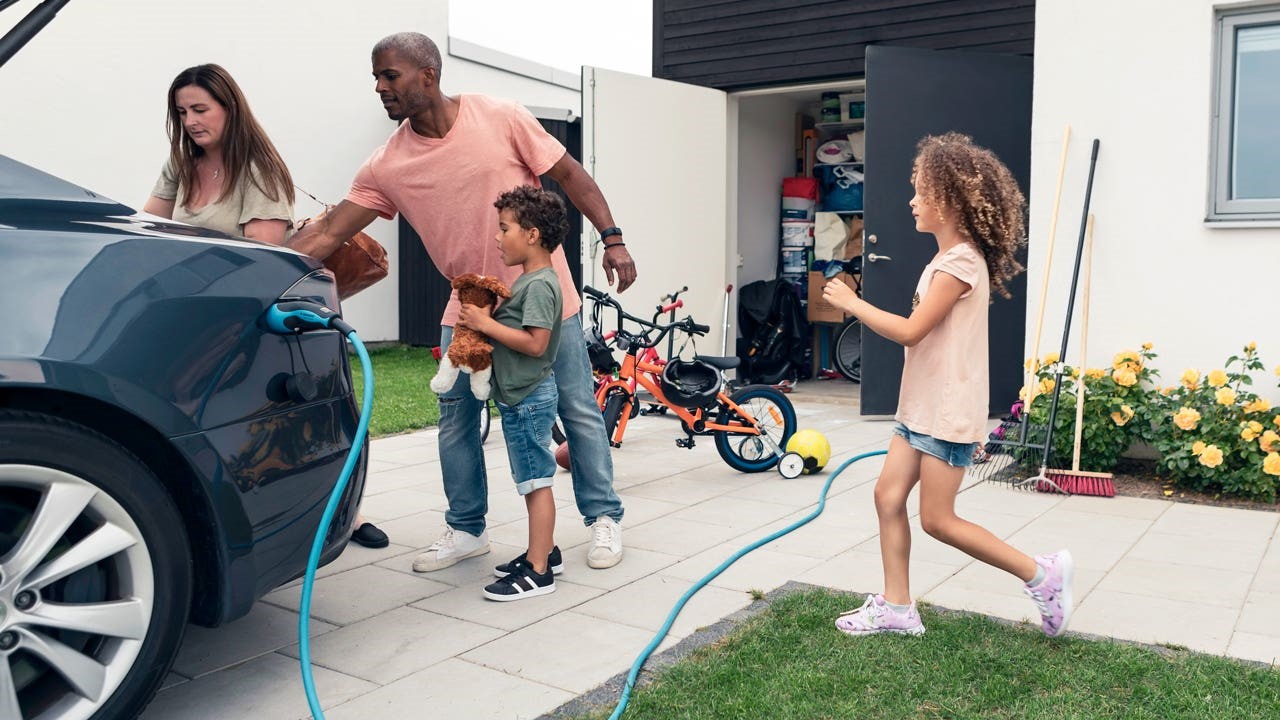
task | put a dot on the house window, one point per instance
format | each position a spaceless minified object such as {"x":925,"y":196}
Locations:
{"x":1246,"y":136}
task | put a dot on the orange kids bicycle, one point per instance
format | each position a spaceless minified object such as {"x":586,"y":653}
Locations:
{"x":750,"y":426}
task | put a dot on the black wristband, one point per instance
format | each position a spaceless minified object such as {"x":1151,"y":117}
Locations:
{"x":609,"y":232}
{"x":614,"y":245}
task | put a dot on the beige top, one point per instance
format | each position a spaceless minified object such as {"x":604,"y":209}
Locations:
{"x":944,"y":391}
{"x":244,"y":203}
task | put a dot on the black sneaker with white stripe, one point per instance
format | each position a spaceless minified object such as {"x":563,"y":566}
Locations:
{"x":523,"y":582}
{"x":554,"y":561}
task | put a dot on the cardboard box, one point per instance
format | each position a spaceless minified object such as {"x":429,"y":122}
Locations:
{"x":819,"y":309}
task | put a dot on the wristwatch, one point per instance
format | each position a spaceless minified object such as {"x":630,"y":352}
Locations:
{"x":608,"y":233}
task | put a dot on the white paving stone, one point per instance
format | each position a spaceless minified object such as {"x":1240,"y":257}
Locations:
{"x":455,"y":689}
{"x":396,"y":643}
{"x":569,"y":650}
{"x":266,"y":687}
{"x":265,"y":629}
{"x":358,"y":594}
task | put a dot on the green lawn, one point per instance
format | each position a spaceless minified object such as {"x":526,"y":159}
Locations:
{"x":791,"y":662}
{"x":401,"y":399}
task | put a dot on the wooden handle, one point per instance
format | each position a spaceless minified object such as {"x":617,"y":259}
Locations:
{"x":1084,"y":340}
{"x":1031,"y":385}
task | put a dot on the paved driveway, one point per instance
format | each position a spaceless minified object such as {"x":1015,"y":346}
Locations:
{"x":390,"y":643}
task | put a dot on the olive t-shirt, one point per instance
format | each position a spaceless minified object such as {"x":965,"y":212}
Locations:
{"x":244,"y":203}
{"x":535,"y":302}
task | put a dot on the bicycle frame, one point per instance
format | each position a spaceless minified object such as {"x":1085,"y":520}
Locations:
{"x":637,"y":371}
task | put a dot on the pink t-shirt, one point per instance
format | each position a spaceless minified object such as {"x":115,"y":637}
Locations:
{"x":944,"y":392}
{"x":445,"y":188}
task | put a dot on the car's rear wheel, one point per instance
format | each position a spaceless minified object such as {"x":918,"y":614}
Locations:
{"x":95,"y":574}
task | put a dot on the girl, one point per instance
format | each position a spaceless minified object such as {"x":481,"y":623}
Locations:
{"x":968,"y":200}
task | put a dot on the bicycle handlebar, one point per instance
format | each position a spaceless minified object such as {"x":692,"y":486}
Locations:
{"x":642,"y":340}
{"x":668,"y":308}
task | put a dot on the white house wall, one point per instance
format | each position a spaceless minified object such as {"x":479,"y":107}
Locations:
{"x":1138,"y":76}
{"x":85,"y":100}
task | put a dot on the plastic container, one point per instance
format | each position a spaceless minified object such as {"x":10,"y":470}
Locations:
{"x":797,"y":235}
{"x":795,"y":262}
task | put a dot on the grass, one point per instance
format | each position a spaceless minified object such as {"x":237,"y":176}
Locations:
{"x":790,"y":662}
{"x":401,"y":399}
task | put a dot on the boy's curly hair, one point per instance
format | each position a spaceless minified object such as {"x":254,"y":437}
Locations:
{"x":956,"y":175}
{"x":537,"y":208}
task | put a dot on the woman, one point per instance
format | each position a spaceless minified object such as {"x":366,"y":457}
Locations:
{"x":224,"y":174}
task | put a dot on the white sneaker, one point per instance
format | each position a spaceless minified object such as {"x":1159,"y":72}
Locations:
{"x":452,"y":547}
{"x":606,"y":546}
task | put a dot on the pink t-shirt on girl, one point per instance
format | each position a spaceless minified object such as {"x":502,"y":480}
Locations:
{"x":445,"y":188}
{"x":944,"y":391}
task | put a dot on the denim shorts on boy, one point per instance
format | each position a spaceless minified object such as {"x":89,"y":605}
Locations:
{"x":954,"y":454}
{"x":527,"y":428}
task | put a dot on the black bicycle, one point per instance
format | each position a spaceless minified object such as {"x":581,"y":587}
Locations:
{"x":846,"y":342}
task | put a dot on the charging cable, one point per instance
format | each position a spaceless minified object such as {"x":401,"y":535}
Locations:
{"x":290,"y":318}
{"x":675,"y":611}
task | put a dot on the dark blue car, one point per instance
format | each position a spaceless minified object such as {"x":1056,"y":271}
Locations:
{"x":163,"y":458}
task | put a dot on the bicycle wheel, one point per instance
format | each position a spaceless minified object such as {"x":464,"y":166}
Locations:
{"x":616,"y":402}
{"x":776,"y":418}
{"x":846,"y":349}
{"x":485,"y":420}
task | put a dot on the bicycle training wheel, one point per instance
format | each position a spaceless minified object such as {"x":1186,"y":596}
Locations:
{"x":485,"y":420}
{"x":776,"y":418}
{"x":846,"y":349}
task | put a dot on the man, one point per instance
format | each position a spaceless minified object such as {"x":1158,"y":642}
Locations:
{"x":442,"y":169}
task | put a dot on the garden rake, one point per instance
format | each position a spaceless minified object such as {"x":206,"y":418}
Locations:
{"x":1041,"y":480}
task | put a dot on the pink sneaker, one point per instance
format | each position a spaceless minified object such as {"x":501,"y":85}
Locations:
{"x":875,"y":616}
{"x":1053,"y":594}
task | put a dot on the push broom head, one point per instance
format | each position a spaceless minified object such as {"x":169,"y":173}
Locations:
{"x":1079,"y":482}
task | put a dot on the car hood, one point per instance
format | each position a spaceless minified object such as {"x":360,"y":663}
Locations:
{"x":33,"y":199}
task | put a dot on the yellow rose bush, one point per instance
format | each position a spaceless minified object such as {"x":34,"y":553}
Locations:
{"x":1117,"y":409}
{"x":1214,"y":433}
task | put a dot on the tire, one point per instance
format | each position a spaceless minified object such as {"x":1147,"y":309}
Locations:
{"x":846,"y":349}
{"x":486,"y":420}
{"x":747,"y":453}
{"x":135,"y":554}
{"x":616,"y":402}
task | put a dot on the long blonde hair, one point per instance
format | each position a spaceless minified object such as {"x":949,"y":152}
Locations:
{"x":245,"y":144}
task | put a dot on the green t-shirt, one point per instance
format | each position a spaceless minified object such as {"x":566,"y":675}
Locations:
{"x":535,"y":302}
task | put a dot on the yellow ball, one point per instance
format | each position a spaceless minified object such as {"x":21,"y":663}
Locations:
{"x":813,"y":447}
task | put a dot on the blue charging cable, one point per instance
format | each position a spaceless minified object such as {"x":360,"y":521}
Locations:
{"x":675,"y":611}
{"x":288,"y":318}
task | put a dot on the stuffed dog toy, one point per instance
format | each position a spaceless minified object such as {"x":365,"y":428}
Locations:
{"x":469,"y":351}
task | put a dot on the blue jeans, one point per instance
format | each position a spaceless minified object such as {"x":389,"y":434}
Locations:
{"x":466,"y":483}
{"x":526,"y":426}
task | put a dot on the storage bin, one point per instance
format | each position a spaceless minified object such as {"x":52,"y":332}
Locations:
{"x":797,"y":235}
{"x":795,"y":261}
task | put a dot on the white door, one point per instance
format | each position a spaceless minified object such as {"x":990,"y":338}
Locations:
{"x":659,"y":151}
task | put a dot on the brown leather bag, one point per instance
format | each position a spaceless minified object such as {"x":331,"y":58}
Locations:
{"x":357,"y":263}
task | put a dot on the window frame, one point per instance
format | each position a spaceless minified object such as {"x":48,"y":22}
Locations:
{"x":1222,"y":208}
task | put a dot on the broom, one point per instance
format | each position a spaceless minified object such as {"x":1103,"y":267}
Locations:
{"x":1076,"y":481}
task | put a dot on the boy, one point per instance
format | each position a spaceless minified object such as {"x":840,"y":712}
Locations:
{"x":525,"y":332}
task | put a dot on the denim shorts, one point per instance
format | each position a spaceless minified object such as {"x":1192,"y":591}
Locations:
{"x":527,"y":428}
{"x":954,"y":454}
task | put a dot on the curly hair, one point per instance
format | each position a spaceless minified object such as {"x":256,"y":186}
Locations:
{"x":959,"y":177}
{"x":537,"y":208}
